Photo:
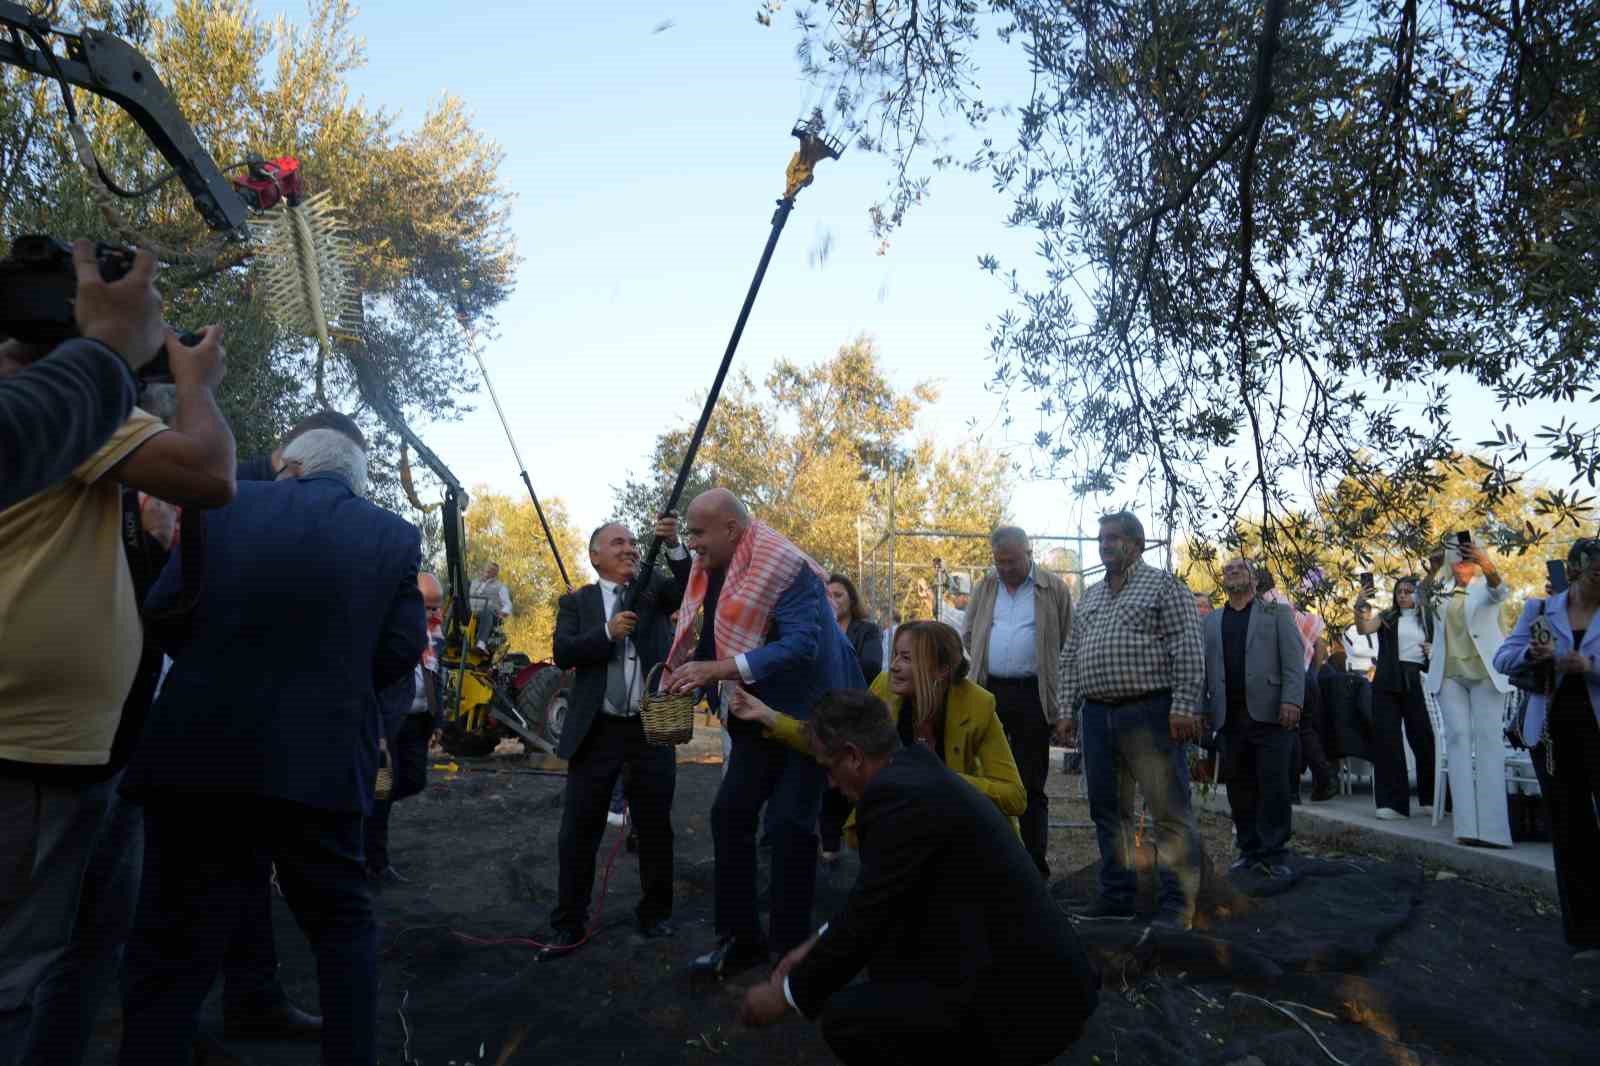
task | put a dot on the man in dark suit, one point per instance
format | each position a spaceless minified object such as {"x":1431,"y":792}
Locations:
{"x":1254,"y":690}
{"x":967,"y":957}
{"x":768,"y":624}
{"x":254,"y":1004}
{"x":263,"y":744}
{"x":614,"y":651}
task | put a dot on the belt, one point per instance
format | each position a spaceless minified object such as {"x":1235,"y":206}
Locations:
{"x":1031,"y":679}
{"x":1141,"y":698}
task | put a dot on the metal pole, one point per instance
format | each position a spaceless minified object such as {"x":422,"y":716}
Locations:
{"x":859,"y":574}
{"x":779,"y":217}
{"x":894,"y":599}
{"x":522,"y":467}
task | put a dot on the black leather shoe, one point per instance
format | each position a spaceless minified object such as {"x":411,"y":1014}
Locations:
{"x":283,"y":1022}
{"x":390,"y":876}
{"x":728,"y":958}
{"x":563,"y":943}
{"x":1324,"y":793}
{"x":656,"y":930}
{"x":1176,"y":923}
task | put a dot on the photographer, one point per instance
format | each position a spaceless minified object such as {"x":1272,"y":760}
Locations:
{"x":74,"y":637}
{"x":57,"y":411}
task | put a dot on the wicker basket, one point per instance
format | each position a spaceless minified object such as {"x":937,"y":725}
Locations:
{"x":385,"y":787}
{"x":667,"y":719}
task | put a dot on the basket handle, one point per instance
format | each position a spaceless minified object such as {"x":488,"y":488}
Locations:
{"x":650,"y":678}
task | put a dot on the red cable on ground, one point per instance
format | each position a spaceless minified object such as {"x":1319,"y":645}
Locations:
{"x":599,"y":909}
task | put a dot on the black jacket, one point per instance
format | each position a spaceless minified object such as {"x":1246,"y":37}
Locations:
{"x":947,"y":895}
{"x":867,"y":639}
{"x":582,"y":643}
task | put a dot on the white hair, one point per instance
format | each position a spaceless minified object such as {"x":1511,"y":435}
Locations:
{"x":331,"y":453}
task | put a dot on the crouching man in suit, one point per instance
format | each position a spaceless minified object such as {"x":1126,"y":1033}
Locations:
{"x":967,"y":957}
{"x":613,"y":652}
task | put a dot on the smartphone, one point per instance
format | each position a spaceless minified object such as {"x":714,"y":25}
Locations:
{"x":1463,"y":537}
{"x":1557,"y":569}
{"x":1367,"y":584}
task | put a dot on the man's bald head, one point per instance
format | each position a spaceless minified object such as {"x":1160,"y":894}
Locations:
{"x":720,"y":503}
{"x":432,"y":597}
{"x":714,"y":523}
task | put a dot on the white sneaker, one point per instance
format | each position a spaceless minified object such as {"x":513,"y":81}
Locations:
{"x":1389,"y":814}
{"x":616,"y":818}
{"x":1426,"y":812}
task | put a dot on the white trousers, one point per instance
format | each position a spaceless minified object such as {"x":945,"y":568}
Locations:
{"x":1474,"y":721}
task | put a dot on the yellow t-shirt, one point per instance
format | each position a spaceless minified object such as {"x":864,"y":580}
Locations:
{"x":70,"y":636}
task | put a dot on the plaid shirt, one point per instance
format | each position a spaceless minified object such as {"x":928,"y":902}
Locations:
{"x":1144,"y":638}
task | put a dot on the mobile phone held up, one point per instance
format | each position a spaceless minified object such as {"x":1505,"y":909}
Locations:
{"x":1557,"y":569}
{"x":1463,"y":538}
{"x":1368,"y":586}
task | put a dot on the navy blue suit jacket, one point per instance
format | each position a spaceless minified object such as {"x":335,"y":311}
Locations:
{"x":308,"y":607}
{"x":806,"y":653}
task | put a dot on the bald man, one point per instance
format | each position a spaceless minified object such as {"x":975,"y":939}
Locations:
{"x":768,"y":626}
{"x":411,"y":712}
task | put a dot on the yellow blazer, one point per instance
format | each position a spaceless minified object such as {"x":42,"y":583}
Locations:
{"x":975,"y":745}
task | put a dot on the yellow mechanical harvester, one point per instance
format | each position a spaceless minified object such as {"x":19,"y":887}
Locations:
{"x":496,"y":694}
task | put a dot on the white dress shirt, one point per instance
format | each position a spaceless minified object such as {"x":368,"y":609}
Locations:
{"x":484,"y":589}
{"x":630,"y":662}
{"x":786,"y":993}
{"x":630,"y":656}
{"x":1013,"y":650}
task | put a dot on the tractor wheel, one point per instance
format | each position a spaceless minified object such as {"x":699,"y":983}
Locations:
{"x":543,"y":702}
{"x":464,"y":745}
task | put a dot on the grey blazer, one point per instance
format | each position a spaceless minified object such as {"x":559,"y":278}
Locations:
{"x":1274,"y":664}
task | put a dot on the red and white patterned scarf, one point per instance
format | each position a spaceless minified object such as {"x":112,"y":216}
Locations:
{"x":763,"y":565}
{"x":1309,"y":625}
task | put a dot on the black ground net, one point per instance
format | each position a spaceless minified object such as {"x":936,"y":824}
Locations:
{"x":1360,"y":961}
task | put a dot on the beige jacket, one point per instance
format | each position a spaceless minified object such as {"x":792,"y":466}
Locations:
{"x":1052,"y":621}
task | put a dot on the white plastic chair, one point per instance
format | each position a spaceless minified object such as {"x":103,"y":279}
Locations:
{"x":1441,"y":761}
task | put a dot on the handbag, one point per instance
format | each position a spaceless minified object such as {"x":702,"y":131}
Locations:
{"x":1529,"y":676}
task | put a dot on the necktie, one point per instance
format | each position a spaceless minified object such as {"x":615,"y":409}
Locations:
{"x":617,"y":669}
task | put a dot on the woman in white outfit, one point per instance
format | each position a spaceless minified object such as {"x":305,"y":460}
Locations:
{"x":1471,"y":693}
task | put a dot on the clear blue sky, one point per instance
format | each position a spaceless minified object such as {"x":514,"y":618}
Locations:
{"x":645,"y":166}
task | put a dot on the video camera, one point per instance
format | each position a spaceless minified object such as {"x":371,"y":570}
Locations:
{"x":39,"y":285}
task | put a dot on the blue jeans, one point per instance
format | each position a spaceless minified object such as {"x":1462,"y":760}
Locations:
{"x":1128,"y":746}
{"x":69,"y":996}
{"x":48,"y":836}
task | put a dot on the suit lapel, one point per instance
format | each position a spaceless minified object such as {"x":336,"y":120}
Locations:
{"x":1257,"y":607}
{"x":1555,"y":612}
{"x":593,"y":603}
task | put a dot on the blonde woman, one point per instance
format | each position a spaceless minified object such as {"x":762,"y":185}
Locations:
{"x":1465,"y":613}
{"x":933,"y":704}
